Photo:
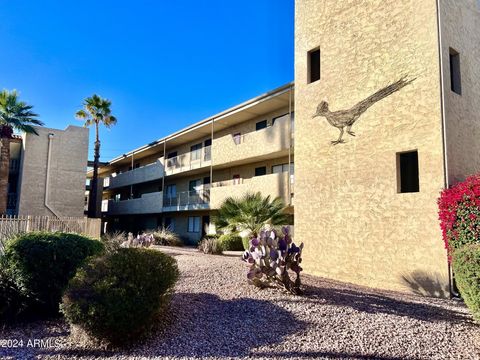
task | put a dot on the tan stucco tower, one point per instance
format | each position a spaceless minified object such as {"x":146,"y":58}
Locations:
{"x":366,"y":211}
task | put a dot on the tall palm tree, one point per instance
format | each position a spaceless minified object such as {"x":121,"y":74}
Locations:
{"x":96,"y":111}
{"x":250,"y":213}
{"x":14,"y":115}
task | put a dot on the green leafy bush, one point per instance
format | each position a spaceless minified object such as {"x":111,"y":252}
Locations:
{"x":246,"y":243}
{"x":166,"y":237}
{"x":118,"y":297}
{"x":210,"y":245}
{"x":12,"y":303}
{"x":466,"y":265}
{"x":40,"y":264}
{"x":231,"y":242}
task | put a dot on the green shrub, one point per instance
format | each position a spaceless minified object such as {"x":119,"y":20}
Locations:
{"x":163,"y":236}
{"x":210,"y":245}
{"x":41,"y":264}
{"x":118,"y":297}
{"x":466,"y":265}
{"x":12,"y":303}
{"x":231,"y":242}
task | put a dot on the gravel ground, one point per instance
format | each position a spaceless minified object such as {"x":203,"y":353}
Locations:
{"x":216,"y":315}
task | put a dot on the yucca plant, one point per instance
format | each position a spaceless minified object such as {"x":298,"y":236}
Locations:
{"x":250,"y":213}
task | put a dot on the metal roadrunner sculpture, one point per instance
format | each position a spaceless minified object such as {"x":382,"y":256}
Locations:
{"x":344,"y":119}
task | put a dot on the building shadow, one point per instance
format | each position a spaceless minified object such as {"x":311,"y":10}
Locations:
{"x":391,"y":303}
{"x":422,"y":283}
{"x":204,"y":325}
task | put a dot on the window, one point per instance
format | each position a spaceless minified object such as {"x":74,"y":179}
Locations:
{"x":407,"y":170}
{"x":260,"y":171}
{"x":170,"y":223}
{"x":194,"y":185}
{"x":172,"y":159}
{"x":196,"y":152}
{"x":194,"y":224}
{"x":261,"y":125}
{"x":278,"y":169}
{"x":171,"y":191}
{"x":236,"y":179}
{"x":237,"y":138}
{"x":313,"y":65}
{"x":455,"y":74}
{"x":207,"y":156}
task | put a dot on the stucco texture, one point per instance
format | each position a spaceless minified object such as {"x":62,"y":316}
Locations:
{"x":355,"y":225}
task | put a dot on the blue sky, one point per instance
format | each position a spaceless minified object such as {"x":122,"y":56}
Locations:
{"x":163,"y":64}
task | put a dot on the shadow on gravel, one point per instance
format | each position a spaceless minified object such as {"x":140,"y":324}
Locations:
{"x":328,"y":355}
{"x":373,"y":303}
{"x":203,"y":325}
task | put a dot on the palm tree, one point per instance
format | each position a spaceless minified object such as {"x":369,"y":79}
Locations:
{"x":250,"y":213}
{"x":96,"y":111}
{"x":14,"y":115}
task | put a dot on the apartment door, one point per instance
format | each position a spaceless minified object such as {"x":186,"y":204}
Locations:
{"x":205,"y":224}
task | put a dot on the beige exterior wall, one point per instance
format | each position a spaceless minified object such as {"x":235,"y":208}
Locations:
{"x":346,"y":195}
{"x":65,"y":191}
{"x":460,"y":30}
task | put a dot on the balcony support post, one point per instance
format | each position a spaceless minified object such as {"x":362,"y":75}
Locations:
{"x":211,"y":156}
{"x":290,"y":147}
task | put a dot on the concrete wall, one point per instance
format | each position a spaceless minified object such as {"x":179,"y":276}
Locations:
{"x":460,"y":30}
{"x":355,"y":225}
{"x":66,"y":169}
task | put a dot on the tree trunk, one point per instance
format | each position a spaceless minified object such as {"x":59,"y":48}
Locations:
{"x":4,"y":172}
{"x":92,"y":199}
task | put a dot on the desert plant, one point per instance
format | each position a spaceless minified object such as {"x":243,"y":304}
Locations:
{"x":96,"y":111}
{"x":119,"y":296}
{"x":271,"y":256}
{"x":466,"y":265}
{"x":246,"y":243}
{"x":210,"y":245}
{"x":164,"y":236}
{"x":231,"y":242}
{"x":113,"y":240}
{"x":459,"y":213}
{"x":42,"y":263}
{"x":250,"y":213}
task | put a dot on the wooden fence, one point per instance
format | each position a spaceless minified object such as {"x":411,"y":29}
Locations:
{"x":13,"y":225}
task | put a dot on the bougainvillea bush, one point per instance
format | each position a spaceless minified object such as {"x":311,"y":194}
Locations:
{"x":271,"y":257}
{"x":459,"y":212}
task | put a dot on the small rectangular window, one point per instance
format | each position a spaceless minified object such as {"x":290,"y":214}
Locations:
{"x":194,"y":224}
{"x":314,"y":65}
{"x":407,"y":172}
{"x":196,"y":152}
{"x":261,"y":125}
{"x":455,"y":73}
{"x":260,"y":171}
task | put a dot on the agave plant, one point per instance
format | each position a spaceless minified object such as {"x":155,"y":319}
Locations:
{"x":271,"y":257}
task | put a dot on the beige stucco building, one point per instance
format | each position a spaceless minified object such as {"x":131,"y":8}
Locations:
{"x":386,"y":110}
{"x":371,"y":201}
{"x":47,"y":172}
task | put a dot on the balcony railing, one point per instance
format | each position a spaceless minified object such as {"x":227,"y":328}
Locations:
{"x":189,"y":161}
{"x":187,"y":200}
{"x":138,"y":175}
{"x":151,"y":203}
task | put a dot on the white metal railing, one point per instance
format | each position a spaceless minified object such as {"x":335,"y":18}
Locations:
{"x":189,"y":160}
{"x":185,"y":199}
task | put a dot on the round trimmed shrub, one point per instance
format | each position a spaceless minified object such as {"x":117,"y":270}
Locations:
{"x":231,"y":242}
{"x":119,"y":296}
{"x":12,"y":303}
{"x":466,"y":266}
{"x":40,"y":264}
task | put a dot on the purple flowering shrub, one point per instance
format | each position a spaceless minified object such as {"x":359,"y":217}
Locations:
{"x":272,"y":257}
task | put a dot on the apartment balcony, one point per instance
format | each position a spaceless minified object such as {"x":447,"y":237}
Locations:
{"x":151,"y":203}
{"x":273,"y":184}
{"x":139,"y":175}
{"x":256,"y":144}
{"x":187,"y":200}
{"x":189,"y":161}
